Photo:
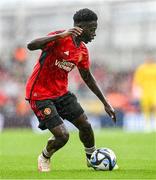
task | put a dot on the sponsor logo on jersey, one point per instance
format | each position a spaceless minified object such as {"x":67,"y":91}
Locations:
{"x":67,"y":66}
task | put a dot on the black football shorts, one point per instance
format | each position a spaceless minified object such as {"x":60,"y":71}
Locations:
{"x":50,"y":112}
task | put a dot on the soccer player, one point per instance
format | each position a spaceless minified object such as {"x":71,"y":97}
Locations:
{"x":47,"y":90}
{"x":145,"y":81}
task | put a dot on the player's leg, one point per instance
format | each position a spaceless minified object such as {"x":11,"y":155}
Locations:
{"x":70,"y":109}
{"x":49,"y":119}
{"x":86,"y":134}
{"x":146,"y":108}
{"x":59,"y":139}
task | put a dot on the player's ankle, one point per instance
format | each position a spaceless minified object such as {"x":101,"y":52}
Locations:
{"x":89,"y":151}
{"x":88,"y":156}
{"x":46,"y":154}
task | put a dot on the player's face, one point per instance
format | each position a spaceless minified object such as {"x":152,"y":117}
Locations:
{"x":89,"y":29}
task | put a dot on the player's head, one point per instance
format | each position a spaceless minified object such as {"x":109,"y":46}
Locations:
{"x":87,"y":20}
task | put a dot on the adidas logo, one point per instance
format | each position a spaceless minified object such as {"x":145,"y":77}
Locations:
{"x":67,"y":53}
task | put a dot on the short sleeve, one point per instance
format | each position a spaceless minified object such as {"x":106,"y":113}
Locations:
{"x":51,"y":44}
{"x":84,"y":61}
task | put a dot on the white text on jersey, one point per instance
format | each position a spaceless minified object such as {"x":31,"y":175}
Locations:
{"x":67,"y":66}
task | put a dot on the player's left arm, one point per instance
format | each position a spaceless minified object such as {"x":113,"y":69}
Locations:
{"x":91,"y":83}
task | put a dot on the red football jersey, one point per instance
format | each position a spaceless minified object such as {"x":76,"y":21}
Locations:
{"x":50,"y":75}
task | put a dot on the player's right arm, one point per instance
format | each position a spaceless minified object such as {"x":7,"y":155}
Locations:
{"x":40,"y":43}
{"x":91,"y":83}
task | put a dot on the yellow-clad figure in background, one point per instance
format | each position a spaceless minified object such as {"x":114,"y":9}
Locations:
{"x":145,"y":80}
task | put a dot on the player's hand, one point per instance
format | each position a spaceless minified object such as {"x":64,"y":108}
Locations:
{"x":110,"y":111}
{"x":75,"y":31}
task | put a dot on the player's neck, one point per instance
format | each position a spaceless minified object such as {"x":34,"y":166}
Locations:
{"x":76,"y":41}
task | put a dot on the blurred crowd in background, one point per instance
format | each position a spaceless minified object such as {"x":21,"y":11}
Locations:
{"x":126,"y":73}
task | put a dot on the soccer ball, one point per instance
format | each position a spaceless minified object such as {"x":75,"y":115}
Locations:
{"x":103,"y":159}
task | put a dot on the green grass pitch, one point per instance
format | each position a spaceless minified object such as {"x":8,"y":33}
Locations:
{"x":136,"y":156}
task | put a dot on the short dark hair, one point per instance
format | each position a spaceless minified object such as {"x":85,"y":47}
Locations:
{"x":84,"y":15}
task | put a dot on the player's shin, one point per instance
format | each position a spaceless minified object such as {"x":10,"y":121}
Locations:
{"x":54,"y":144}
{"x":49,"y":150}
{"x":86,"y":135}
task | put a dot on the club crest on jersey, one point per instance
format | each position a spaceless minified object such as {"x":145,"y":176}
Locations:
{"x":47,"y":111}
{"x":67,"y":66}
